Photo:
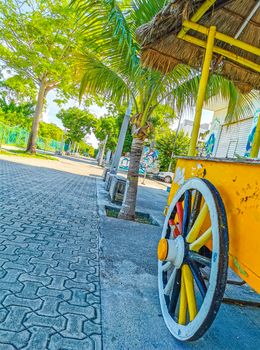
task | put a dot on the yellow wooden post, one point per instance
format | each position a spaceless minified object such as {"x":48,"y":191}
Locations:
{"x":202,"y":90}
{"x":256,"y":142}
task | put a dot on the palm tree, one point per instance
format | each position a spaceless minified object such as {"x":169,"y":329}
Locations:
{"x":110,"y":66}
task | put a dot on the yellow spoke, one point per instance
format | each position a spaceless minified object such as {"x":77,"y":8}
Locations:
{"x":194,"y":232}
{"x":200,"y":242}
{"x":183,"y":303}
{"x":189,"y":287}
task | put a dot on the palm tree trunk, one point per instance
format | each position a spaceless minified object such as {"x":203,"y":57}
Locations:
{"x":31,"y":145}
{"x":127,"y":211}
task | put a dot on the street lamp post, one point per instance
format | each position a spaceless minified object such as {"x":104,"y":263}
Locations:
{"x":121,"y":139}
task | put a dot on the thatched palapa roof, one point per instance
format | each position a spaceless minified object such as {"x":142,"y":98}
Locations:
{"x":162,"y":50}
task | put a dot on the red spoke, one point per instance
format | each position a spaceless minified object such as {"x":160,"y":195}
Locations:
{"x":174,"y":228}
{"x":180,"y":214}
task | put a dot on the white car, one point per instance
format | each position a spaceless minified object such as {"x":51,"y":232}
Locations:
{"x":166,"y":176}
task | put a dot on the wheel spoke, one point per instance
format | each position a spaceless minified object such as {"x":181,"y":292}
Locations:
{"x":195,"y":209}
{"x":175,"y":292}
{"x":194,"y":232}
{"x":200,"y":242}
{"x":180,"y":214}
{"x":198,"y":277}
{"x":170,"y":283}
{"x":166,"y":266}
{"x":186,"y":214}
{"x":183,"y":303}
{"x":189,"y":288}
{"x":199,"y":258}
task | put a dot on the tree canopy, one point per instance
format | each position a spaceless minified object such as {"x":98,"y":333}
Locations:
{"x":78,"y":122}
{"x":37,"y":41}
{"x":168,"y":144}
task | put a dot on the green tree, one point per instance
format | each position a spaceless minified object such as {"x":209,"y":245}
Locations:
{"x":107,"y":126}
{"x":18,"y":89}
{"x":167,"y":144}
{"x":78,"y":122}
{"x":110,"y":125}
{"x":110,"y":66}
{"x":85,"y":148}
{"x":50,"y":131}
{"x":16,"y":114}
{"x":37,"y":39}
{"x":128,"y":136}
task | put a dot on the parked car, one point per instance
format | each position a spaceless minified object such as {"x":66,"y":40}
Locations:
{"x":166,"y":176}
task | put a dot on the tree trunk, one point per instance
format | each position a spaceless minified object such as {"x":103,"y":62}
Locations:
{"x":127,"y":211}
{"x":31,"y":145}
{"x":103,"y":151}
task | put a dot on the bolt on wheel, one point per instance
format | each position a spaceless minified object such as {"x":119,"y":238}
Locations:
{"x":193,"y":259}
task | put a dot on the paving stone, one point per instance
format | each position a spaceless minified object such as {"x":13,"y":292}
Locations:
{"x":12,"y":287}
{"x":30,"y":277}
{"x":11,"y":276}
{"x":57,"y":272}
{"x":14,"y":318}
{"x":29,"y":290}
{"x":57,"y":282}
{"x":74,"y":326}
{"x":17,"y":266}
{"x":16,"y":340}
{"x":88,"y":311}
{"x":58,"y":323}
{"x":6,"y":347}
{"x":12,"y":300}
{"x":40,"y":338}
{"x":3,"y":314}
{"x":91,"y":287}
{"x":97,"y":341}
{"x":49,"y":306}
{"x":62,"y":343}
{"x":59,"y":294}
{"x":79,"y":297}
{"x":48,"y":260}
{"x":92,"y":298}
{"x":90,"y":328}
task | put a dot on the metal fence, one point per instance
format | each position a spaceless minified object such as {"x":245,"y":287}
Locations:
{"x":16,"y":136}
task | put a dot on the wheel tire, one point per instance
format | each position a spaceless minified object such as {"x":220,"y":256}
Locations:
{"x":168,"y":179}
{"x":174,"y":290}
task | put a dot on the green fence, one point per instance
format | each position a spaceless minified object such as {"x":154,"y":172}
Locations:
{"x":15,"y":136}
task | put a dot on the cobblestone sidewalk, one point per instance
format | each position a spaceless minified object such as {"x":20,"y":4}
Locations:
{"x":49,"y":265}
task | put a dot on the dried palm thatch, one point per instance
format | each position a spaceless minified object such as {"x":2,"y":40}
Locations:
{"x":162,"y":50}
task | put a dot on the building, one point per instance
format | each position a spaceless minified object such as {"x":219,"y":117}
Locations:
{"x":230,"y":140}
{"x":187,"y":125}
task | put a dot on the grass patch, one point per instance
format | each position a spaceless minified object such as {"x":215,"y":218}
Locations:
{"x":141,"y":218}
{"x":21,"y":153}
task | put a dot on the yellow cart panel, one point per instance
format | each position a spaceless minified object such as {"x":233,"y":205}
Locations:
{"x":238,"y":183}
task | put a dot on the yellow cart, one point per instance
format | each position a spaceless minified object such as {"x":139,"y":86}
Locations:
{"x":213,"y":213}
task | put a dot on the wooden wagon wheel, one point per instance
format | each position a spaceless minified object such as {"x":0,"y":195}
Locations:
{"x":193,"y":259}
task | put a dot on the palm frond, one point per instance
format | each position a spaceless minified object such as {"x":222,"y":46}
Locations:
{"x":99,"y":78}
{"x":106,"y":29}
{"x":239,"y":105}
{"x":143,"y":11}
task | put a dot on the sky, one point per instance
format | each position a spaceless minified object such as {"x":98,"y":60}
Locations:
{"x":49,"y":115}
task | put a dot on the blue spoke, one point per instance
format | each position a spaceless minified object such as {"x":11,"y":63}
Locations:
{"x":186,"y":214}
{"x":175,"y":293}
{"x":195,"y":209}
{"x":198,"y":277}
